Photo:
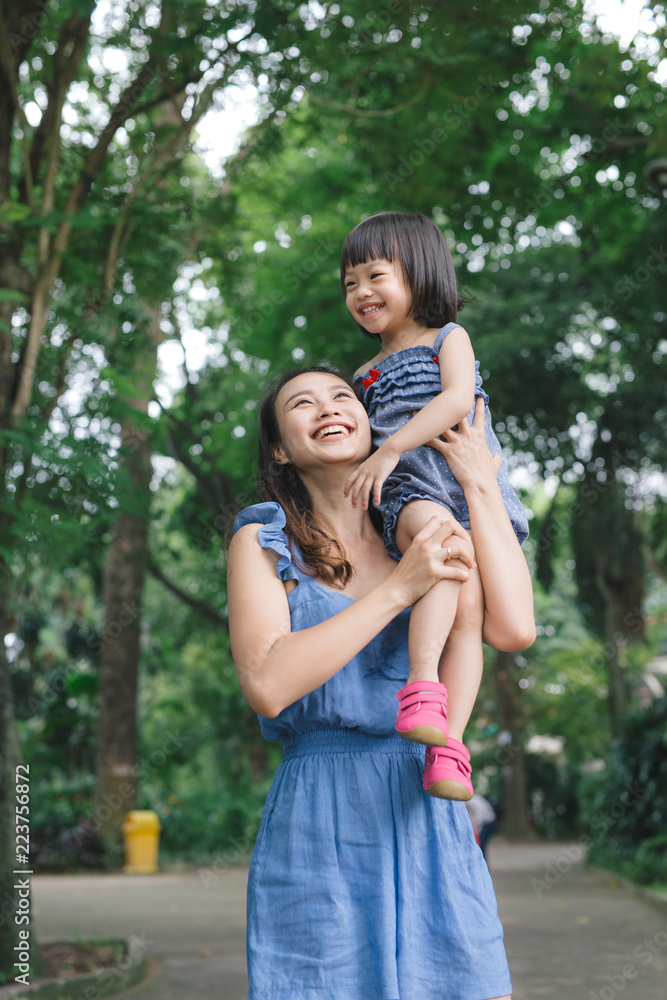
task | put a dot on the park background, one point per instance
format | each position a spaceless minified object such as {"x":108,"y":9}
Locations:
{"x":176,"y":180}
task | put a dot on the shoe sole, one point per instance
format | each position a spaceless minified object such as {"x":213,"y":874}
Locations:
{"x":452,"y":790}
{"x":430,"y":736}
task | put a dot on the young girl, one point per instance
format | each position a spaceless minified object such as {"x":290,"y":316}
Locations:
{"x":399,"y":285}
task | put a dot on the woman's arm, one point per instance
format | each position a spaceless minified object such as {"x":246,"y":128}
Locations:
{"x":509,"y":621}
{"x":276,"y":666}
{"x":449,"y":407}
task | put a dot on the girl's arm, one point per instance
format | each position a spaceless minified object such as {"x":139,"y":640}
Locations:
{"x":457,"y":377}
{"x":449,"y":407}
{"x":509,"y":621}
{"x":276,"y":666}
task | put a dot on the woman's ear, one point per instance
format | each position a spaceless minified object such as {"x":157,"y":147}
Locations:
{"x":278,"y":453}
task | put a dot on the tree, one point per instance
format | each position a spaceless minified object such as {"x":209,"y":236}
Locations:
{"x":537,"y":177}
{"x":85,"y":151}
{"x":116,"y":770}
{"x":434,"y":109}
{"x":513,"y":774}
{"x":83,"y":148}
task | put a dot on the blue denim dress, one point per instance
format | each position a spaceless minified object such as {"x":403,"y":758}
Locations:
{"x":401,"y":384}
{"x":361,"y":886}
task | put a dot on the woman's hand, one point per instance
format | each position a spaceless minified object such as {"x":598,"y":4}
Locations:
{"x":276,"y":666}
{"x":467,"y":452}
{"x":442,"y":550}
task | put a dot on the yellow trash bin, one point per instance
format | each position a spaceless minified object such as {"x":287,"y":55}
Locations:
{"x":141,"y":831}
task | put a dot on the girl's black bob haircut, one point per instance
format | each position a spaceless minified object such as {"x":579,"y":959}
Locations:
{"x":419,"y":247}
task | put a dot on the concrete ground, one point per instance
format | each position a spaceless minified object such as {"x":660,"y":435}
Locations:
{"x":575,"y":932}
{"x":569,"y":931}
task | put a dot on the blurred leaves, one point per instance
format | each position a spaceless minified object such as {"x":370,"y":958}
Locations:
{"x":524,"y":134}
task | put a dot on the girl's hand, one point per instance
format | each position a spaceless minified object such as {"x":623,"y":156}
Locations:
{"x":370,"y":476}
{"x":442,"y":550}
{"x":467,"y":452}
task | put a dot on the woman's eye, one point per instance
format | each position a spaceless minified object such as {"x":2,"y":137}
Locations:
{"x":345,"y":395}
{"x":300,"y":401}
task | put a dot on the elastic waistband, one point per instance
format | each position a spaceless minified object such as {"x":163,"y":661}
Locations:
{"x":348,"y":741}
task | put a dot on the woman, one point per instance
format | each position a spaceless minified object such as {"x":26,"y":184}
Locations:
{"x":362,"y":887}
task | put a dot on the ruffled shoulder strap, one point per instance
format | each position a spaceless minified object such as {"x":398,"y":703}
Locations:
{"x":271,"y":535}
{"x":441,"y":336}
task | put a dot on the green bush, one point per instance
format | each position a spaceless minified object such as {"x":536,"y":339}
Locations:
{"x":552,"y":797}
{"x":201,"y":822}
{"x":61,"y":834}
{"x":651,"y":860}
{"x":626,"y":819}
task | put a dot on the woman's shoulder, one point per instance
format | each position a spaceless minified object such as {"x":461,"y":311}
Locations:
{"x":270,"y":514}
{"x":265,"y":523}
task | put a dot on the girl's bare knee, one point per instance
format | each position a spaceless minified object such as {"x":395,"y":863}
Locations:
{"x":415,"y":516}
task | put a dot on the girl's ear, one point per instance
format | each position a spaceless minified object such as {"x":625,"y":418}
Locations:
{"x":278,"y":453}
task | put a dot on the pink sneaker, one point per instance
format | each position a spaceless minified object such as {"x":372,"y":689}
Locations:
{"x":447,"y":772}
{"x":422,"y":713}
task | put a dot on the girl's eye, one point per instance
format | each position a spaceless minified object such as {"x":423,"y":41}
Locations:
{"x":346,"y":395}
{"x":349,"y":284}
{"x":300,"y":401}
{"x":376,"y":274}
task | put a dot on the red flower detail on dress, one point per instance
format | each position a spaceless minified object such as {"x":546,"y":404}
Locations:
{"x":373,"y":376}
{"x":436,"y":359}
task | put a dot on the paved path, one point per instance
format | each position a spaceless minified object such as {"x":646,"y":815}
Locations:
{"x":570,"y":932}
{"x":576,"y":933}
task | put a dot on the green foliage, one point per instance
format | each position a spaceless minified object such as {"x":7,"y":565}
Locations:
{"x":657,"y":537}
{"x":626,"y":819}
{"x":510,"y":142}
{"x":203,"y":822}
{"x":61,"y":834}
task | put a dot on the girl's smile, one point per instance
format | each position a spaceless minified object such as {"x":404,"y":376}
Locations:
{"x":371,"y":309}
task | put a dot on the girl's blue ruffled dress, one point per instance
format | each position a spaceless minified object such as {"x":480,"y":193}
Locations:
{"x":403,"y":383}
{"x":361,"y":886}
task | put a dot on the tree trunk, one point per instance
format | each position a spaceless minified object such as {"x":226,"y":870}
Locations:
{"x":610,"y":567}
{"x":116,"y":763}
{"x":9,"y":758}
{"x":511,"y":756}
{"x":619,"y":694}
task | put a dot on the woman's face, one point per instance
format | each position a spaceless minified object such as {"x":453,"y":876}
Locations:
{"x":321,"y":423}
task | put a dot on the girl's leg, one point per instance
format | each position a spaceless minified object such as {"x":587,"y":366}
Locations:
{"x":433,"y":615}
{"x":462,"y":660}
{"x":447,"y":773}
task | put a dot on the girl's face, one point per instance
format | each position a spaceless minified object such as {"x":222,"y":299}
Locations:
{"x":377,"y":296}
{"x":321,"y":422}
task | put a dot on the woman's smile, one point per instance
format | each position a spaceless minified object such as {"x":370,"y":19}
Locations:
{"x":332,"y":430}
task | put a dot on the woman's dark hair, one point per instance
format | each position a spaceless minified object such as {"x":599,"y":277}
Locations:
{"x":321,"y":554}
{"x":420,"y":249}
